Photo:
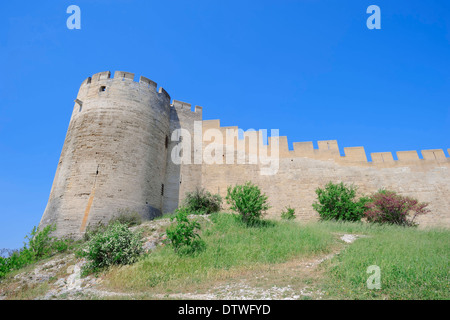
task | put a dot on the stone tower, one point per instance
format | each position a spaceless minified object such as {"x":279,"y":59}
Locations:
{"x":114,"y":155}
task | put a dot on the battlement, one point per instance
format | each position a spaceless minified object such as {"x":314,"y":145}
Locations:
{"x":124,"y":76}
{"x":164,"y":93}
{"x":185,"y":107}
{"x":327,"y":149}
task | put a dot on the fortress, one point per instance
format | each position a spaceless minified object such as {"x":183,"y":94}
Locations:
{"x":119,"y":155}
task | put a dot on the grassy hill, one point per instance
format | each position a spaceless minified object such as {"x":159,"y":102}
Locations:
{"x":278,"y":260}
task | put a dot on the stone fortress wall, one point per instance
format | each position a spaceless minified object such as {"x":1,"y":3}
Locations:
{"x":117,"y":156}
{"x":304,"y":168}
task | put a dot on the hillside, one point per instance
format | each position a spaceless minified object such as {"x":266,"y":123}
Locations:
{"x":283,"y":260}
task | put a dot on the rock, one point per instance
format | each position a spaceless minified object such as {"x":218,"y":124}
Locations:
{"x":149,"y":245}
{"x":74,"y":280}
{"x":70,"y":269}
{"x":349,"y":238}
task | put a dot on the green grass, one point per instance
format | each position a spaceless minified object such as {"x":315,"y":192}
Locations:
{"x":414,"y":263}
{"x":231,"y":248}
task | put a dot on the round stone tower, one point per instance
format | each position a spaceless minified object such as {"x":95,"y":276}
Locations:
{"x":114,"y":154}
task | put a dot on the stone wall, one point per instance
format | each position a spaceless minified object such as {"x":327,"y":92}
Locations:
{"x":183,"y":177}
{"x":304,"y":169}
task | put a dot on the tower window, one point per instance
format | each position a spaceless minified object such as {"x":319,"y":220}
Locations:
{"x":162,"y":189}
{"x":167,"y":142}
{"x":102,"y":88}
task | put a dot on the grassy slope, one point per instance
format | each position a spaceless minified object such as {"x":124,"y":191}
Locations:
{"x":231,"y":249}
{"x":414,"y":263}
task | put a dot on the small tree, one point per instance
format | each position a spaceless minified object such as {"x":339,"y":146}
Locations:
{"x":288,"y":213}
{"x":390,"y":207}
{"x":201,"y":201}
{"x":338,"y":202}
{"x":248,"y":201}
{"x":40,"y":242}
{"x":183,"y":235}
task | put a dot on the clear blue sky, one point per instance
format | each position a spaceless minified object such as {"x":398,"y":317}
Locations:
{"x":309,"y":68}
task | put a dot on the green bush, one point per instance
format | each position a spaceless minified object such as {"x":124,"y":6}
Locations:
{"x":116,"y":245}
{"x":93,"y":229}
{"x":288,"y":213}
{"x":40,"y":245}
{"x":248,"y":201}
{"x":201,"y":201}
{"x":183,"y":234}
{"x":125,"y":217}
{"x":338,"y":202}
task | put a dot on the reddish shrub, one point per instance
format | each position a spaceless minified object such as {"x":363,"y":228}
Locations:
{"x":389,"y":207}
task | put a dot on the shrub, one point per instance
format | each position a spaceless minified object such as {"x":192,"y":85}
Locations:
{"x":338,"y":202}
{"x":116,"y":245}
{"x":201,"y":201}
{"x":125,"y":217}
{"x":62,"y":245}
{"x":93,"y":229}
{"x":389,"y":207}
{"x":288,"y":213}
{"x":40,"y":245}
{"x":183,"y":236}
{"x":248,"y":201}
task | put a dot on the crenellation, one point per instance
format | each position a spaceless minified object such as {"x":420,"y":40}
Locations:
{"x":121,"y":75}
{"x":198,"y":109}
{"x":164,"y":93}
{"x":181,"y":105}
{"x":328,"y":146}
{"x":148,"y":82}
{"x":87,"y":81}
{"x":407,"y":156}
{"x":101,"y":76}
{"x":382,"y":157}
{"x":303,"y":149}
{"x":282,"y":142}
{"x":433,"y":154}
{"x":355,"y":154}
{"x":210,"y":124}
